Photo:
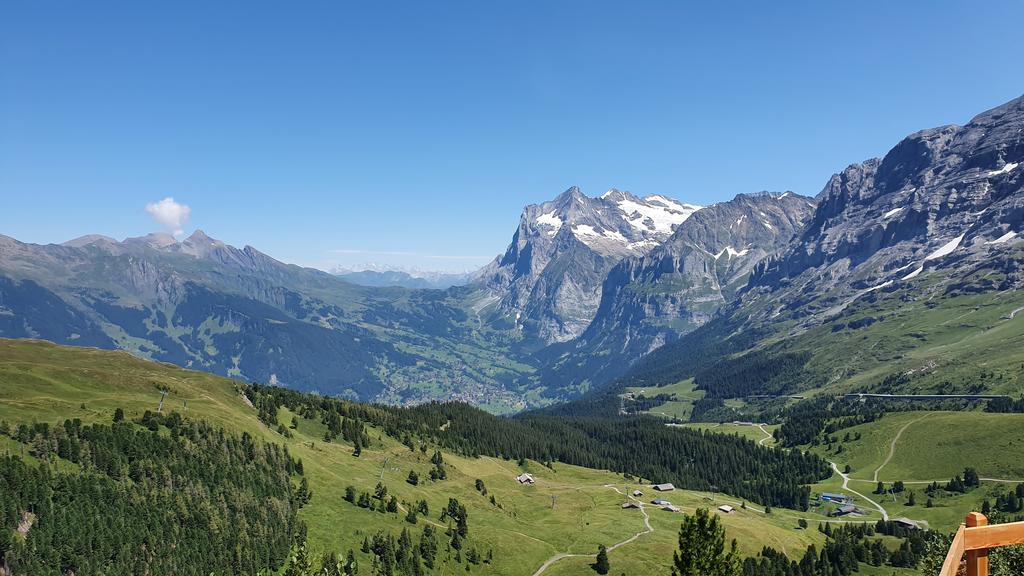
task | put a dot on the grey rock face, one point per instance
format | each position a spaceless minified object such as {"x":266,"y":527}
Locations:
{"x":548,"y":282}
{"x":651,"y":299}
{"x":941,"y":200}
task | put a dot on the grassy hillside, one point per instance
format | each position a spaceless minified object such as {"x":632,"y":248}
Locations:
{"x":934,"y":446}
{"x":941,"y":338}
{"x":47,"y":383}
{"x":919,"y":448}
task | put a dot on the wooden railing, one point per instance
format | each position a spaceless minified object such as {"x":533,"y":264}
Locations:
{"x":974,"y":538}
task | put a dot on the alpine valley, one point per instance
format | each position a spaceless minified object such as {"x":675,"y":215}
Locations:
{"x":830,"y":383}
{"x":900,"y":275}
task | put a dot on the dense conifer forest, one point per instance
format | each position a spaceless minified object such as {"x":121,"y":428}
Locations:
{"x":161,"y":496}
{"x":848,"y":546}
{"x":641,"y":446}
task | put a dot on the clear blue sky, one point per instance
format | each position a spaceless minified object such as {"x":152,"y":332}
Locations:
{"x":322,"y":132}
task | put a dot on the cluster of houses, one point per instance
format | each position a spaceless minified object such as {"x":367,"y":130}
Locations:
{"x":845,"y":503}
{"x":665,"y":504}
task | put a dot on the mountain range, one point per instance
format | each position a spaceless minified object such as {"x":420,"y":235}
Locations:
{"x":906,"y":279}
{"x":402,"y":279}
{"x":900,"y":274}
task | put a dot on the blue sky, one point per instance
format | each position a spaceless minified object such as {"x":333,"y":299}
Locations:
{"x":413,"y":133}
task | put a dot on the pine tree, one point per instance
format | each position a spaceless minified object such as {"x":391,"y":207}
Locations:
{"x":351,"y":566}
{"x":300,"y":563}
{"x":702,"y":548}
{"x":601,"y":562}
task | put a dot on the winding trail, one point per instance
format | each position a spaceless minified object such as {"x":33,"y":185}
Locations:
{"x":767,"y":435}
{"x":846,"y":486}
{"x":892,"y":445}
{"x":647,"y":523}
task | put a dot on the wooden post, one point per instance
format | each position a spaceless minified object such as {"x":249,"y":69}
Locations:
{"x":977,"y":560}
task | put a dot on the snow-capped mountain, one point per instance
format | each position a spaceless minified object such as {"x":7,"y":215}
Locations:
{"x":651,"y":299}
{"x":908,"y":277}
{"x":548,"y":282}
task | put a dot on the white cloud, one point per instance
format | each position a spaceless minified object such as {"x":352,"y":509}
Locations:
{"x":170,"y":214}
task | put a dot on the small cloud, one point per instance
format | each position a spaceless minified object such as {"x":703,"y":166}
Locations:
{"x":169,"y":214}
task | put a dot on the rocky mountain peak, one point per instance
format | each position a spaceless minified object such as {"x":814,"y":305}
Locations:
{"x":200,"y":245}
{"x":154,"y":240}
{"x":548,"y":280}
{"x":89,"y":240}
{"x":943,"y":198}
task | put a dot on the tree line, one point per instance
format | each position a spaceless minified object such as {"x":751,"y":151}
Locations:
{"x":159,"y":496}
{"x":641,"y":446}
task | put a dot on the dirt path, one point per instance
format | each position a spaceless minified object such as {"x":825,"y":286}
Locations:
{"x":846,"y":486}
{"x":892,"y":445}
{"x":767,"y":435}
{"x":647,"y":524}
{"x":982,"y":478}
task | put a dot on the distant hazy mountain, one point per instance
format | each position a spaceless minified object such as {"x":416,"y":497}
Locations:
{"x":203,"y":304}
{"x":402,"y":279}
{"x":907,"y":266}
{"x":548,"y":282}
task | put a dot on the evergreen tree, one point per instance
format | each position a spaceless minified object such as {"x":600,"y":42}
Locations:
{"x":601,"y":562}
{"x":702,"y":548}
{"x":300,"y":564}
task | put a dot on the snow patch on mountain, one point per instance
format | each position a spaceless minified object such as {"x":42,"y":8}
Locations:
{"x":550,"y":220}
{"x":732,"y":252}
{"x":1004,"y":238}
{"x":1005,"y":169}
{"x":656,"y":213}
{"x":586,"y":234}
{"x":946,"y":248}
{"x":914,"y":274}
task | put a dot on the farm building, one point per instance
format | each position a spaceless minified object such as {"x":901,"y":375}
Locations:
{"x":630,"y":504}
{"x":525,"y":478}
{"x":664,"y":487}
{"x":637,"y":493}
{"x":670,"y":508}
{"x":660,"y":502}
{"x":907,"y":523}
{"x":833,"y":497}
{"x":726,"y":508}
{"x":844,"y":510}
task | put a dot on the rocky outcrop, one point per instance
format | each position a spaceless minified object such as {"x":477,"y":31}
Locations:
{"x":943,"y":199}
{"x":548,"y":282}
{"x":651,"y":299}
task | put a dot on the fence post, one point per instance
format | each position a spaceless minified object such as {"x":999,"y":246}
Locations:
{"x":977,"y":560}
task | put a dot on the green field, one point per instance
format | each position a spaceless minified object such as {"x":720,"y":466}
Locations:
{"x":934,"y":446}
{"x":684,"y":393}
{"x":746,"y":430}
{"x":945,"y":341}
{"x":930,"y":446}
{"x":43,"y":382}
